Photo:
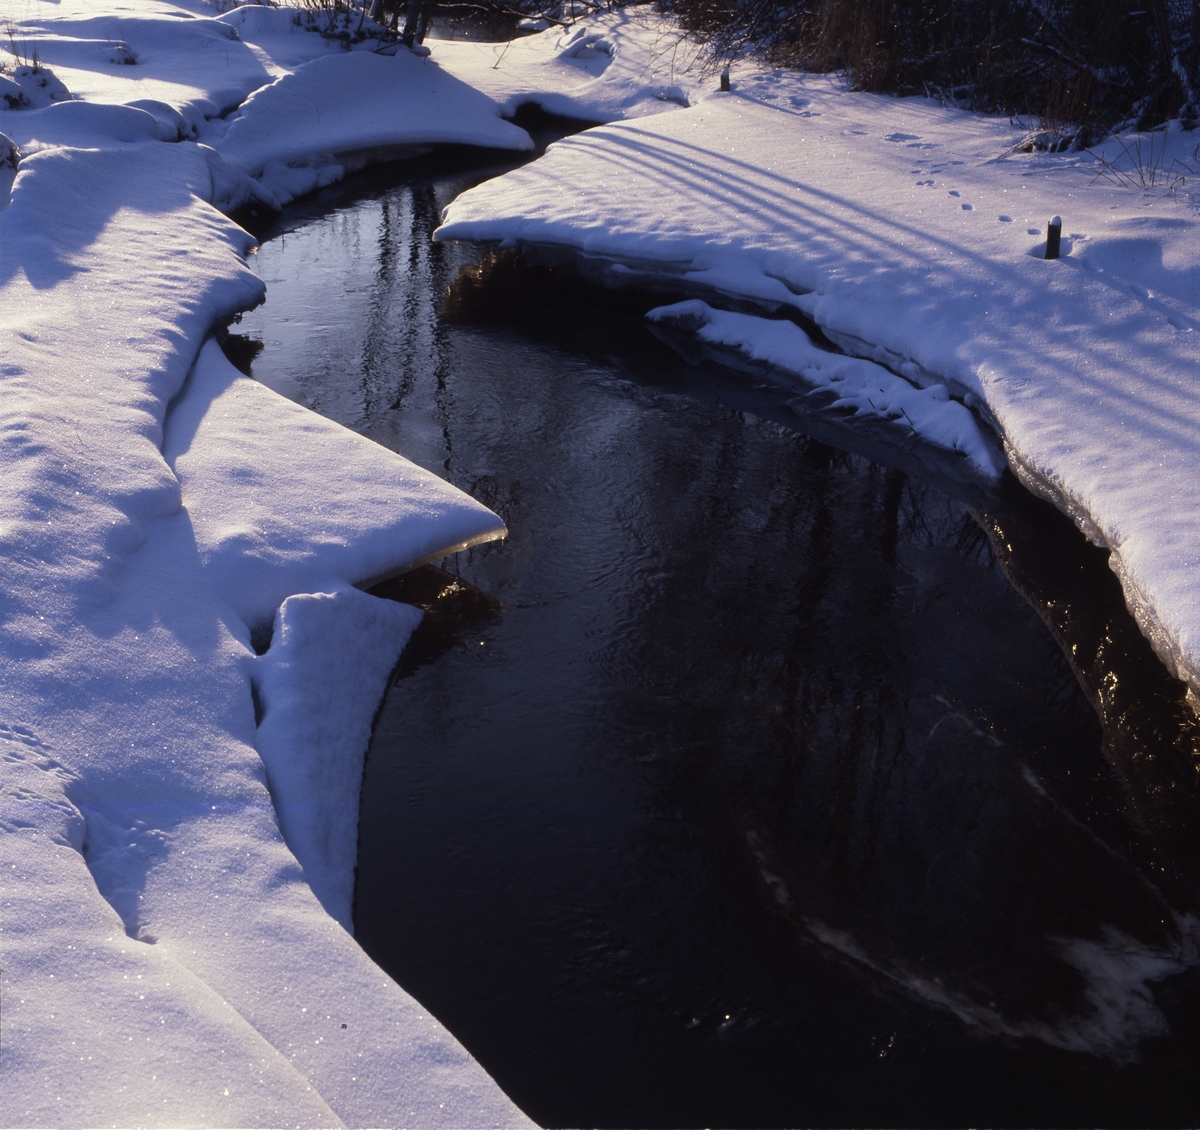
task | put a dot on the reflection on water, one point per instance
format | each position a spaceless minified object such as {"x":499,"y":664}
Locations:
{"x":752,"y":791}
{"x":1151,"y":735}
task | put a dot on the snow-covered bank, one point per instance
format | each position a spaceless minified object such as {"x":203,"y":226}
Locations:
{"x":914,"y":236}
{"x":302,"y":130}
{"x":624,"y":64}
{"x":165,"y":960}
{"x":782,"y":349}
{"x":281,"y":103}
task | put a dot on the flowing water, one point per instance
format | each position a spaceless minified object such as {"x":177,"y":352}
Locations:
{"x":750,"y":781}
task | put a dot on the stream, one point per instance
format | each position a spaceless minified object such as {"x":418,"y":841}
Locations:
{"x":764,"y":775}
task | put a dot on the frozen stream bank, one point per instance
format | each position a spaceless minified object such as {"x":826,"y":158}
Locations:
{"x":164,"y":959}
{"x":914,"y":236}
{"x":765,"y":783}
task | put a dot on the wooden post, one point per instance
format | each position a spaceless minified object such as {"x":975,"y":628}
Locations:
{"x":725,"y":79}
{"x":1053,"y":237}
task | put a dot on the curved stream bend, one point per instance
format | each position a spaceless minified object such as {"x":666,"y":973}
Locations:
{"x":753,"y":791}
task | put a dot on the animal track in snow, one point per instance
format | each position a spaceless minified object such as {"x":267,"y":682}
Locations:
{"x":33,"y":790}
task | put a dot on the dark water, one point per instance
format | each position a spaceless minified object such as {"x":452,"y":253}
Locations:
{"x":750,"y":781}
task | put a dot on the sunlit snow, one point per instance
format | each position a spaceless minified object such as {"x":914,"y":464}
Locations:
{"x":790,"y":192}
{"x":165,"y":959}
{"x":174,"y":871}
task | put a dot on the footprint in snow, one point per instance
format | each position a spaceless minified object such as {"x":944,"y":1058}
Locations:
{"x":968,"y":207}
{"x":903,"y":137}
{"x":1033,"y":231}
{"x":1140,"y":291}
{"x":1005,"y":219}
{"x":955,"y":192}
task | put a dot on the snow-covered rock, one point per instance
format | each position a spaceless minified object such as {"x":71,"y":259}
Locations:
{"x":31,"y":86}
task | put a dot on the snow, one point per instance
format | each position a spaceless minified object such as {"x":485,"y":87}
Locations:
{"x":195,"y":63}
{"x":320,"y":685}
{"x":174,"y":871}
{"x":914,"y":236}
{"x":282,"y":103}
{"x":80,"y":125}
{"x":256,"y":543}
{"x":615,"y":65}
{"x":355,"y":102}
{"x":166,"y":960}
{"x":861,"y":387}
{"x":264,"y":528}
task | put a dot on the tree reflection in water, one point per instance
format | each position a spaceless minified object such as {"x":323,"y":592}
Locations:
{"x":790,"y":784}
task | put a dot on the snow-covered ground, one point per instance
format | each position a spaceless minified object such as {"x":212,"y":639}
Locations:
{"x":625,"y":64}
{"x":914,"y":236}
{"x":165,"y":958}
{"x":165,"y":961}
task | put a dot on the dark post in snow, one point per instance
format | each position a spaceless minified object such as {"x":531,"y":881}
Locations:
{"x":1053,"y":237}
{"x":725,"y":78}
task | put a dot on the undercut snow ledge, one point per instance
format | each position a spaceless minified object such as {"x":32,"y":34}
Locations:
{"x":861,"y":386}
{"x":281,"y":500}
{"x":298,"y":133}
{"x":320,"y":685}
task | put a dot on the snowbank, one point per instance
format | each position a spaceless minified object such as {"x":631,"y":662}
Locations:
{"x":356,"y":510}
{"x":290,"y":134}
{"x":320,"y":685}
{"x":282,"y":103}
{"x":181,"y":56}
{"x":783,"y":350}
{"x":914,"y":236}
{"x":165,"y":959}
{"x":624,"y":64}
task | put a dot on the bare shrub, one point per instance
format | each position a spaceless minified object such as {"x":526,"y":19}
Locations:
{"x":1076,"y":67}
